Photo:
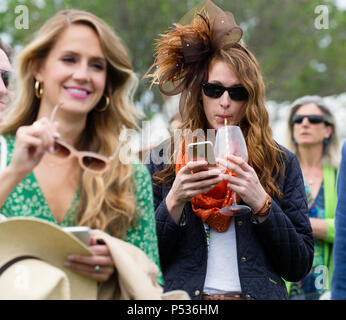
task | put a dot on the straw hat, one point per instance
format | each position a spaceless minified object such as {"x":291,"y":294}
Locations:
{"x":32,"y":256}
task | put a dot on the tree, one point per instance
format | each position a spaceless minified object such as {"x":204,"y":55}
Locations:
{"x":296,"y":58}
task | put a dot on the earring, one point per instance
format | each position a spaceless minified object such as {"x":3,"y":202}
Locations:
{"x":325,"y":141}
{"x":294,"y":141}
{"x":38,"y":89}
{"x":105,"y":106}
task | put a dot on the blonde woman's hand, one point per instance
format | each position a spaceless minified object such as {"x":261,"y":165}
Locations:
{"x":193,"y":179}
{"x":246,"y":183}
{"x":31,"y":143}
{"x":99,"y":266}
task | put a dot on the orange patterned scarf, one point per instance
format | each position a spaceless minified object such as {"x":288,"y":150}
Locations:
{"x":207,"y":205}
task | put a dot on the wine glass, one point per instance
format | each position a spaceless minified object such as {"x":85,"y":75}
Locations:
{"x":230,"y":141}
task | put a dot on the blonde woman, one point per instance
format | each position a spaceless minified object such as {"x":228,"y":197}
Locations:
{"x":207,"y":254}
{"x":78,"y":63}
{"x":313,"y":138}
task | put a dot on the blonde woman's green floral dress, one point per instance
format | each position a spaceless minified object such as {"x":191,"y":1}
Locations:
{"x":27,"y":199}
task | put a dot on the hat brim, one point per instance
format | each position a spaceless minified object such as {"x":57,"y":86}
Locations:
{"x":44,"y":240}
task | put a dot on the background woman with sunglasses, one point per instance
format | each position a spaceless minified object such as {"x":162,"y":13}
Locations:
{"x":211,"y":256}
{"x":312,"y":136}
{"x":78,"y":63}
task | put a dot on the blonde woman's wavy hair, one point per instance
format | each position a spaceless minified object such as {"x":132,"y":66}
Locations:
{"x":107,"y":201}
{"x":265,"y":155}
{"x":331,"y":151}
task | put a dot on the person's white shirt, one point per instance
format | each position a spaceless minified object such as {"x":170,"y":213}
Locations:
{"x":222,"y":266}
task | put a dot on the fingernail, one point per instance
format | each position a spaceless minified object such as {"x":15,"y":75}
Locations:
{"x":57,"y":134}
{"x":67,"y":264}
{"x":70,"y":257}
{"x":51,"y":149}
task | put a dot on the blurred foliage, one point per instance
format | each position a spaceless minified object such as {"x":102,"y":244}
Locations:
{"x":296,"y":58}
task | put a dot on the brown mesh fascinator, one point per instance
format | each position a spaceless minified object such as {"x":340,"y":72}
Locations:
{"x":184,"y":52}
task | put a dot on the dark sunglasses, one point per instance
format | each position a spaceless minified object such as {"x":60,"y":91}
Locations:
{"x":313,"y":119}
{"x":5,"y":76}
{"x":236,"y":93}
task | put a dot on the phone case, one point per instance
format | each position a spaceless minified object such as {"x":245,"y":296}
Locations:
{"x":202,"y":150}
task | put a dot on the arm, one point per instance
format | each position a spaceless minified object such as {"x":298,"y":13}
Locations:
{"x":169,"y":205}
{"x":286,"y":234}
{"x":31,"y":144}
{"x":9,"y":179}
{"x":339,"y":253}
{"x":167,"y":229}
{"x":143,"y":234}
{"x":319,"y":228}
{"x":324,"y":229}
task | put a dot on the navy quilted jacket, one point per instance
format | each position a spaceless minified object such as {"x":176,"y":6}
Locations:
{"x":280,"y":247}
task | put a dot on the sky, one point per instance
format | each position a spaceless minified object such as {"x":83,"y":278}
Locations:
{"x":341,"y":4}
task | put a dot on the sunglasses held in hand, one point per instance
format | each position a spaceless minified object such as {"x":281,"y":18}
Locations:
{"x":236,"y":93}
{"x":313,"y":119}
{"x":90,"y":161}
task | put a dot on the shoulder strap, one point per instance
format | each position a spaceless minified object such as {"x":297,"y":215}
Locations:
{"x":330,"y":194}
{"x":3,"y":153}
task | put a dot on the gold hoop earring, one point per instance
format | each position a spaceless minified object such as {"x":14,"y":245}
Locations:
{"x":38,"y":89}
{"x":105,"y":106}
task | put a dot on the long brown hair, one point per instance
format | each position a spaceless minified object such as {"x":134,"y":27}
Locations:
{"x":107,"y":201}
{"x":265,"y":156}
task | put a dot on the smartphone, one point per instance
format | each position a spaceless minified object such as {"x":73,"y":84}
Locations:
{"x":80,"y":232}
{"x":202,"y":150}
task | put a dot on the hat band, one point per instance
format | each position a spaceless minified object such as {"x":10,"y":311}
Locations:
{"x":15,"y":260}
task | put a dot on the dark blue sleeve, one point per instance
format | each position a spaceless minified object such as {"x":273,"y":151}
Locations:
{"x":338,"y":287}
{"x":167,"y":230}
{"x":286,"y":234}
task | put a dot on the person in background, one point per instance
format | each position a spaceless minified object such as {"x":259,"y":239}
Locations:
{"x":313,"y":138}
{"x":338,"y":287}
{"x":75,"y":85}
{"x":207,"y":254}
{"x":5,"y":70}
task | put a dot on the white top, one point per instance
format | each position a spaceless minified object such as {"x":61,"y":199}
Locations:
{"x":222,"y":267}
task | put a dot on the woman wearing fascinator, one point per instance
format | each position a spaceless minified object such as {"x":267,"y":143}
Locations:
{"x":60,"y":143}
{"x":205,"y":248}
